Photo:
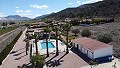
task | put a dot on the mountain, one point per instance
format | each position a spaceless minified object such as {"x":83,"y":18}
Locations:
{"x":17,"y":18}
{"x":105,"y":8}
{"x":43,"y":16}
{"x":2,"y":19}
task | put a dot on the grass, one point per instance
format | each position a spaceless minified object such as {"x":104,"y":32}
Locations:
{"x":5,"y":30}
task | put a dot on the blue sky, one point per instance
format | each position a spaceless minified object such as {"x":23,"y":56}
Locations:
{"x":34,"y":8}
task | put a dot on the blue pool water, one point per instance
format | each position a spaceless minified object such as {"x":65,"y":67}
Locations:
{"x":50,"y":45}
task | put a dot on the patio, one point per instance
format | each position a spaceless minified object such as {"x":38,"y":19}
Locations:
{"x":63,"y":60}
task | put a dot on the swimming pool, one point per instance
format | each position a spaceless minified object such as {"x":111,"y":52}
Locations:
{"x":50,"y":45}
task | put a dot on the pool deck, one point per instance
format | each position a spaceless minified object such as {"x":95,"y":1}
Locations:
{"x":61,"y":47}
{"x":70,"y":60}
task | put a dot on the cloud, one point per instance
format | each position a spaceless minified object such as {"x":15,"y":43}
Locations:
{"x":18,"y":11}
{"x":2,"y":15}
{"x":16,"y":7}
{"x":36,"y":15}
{"x":51,"y":11}
{"x":27,"y":11}
{"x":39,"y":6}
{"x":78,"y":2}
{"x":90,"y":1}
{"x":30,"y":15}
{"x":70,"y":3}
{"x":23,"y":11}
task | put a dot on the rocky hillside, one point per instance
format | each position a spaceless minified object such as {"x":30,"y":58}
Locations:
{"x":105,"y":8}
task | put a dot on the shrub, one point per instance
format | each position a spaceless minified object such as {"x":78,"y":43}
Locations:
{"x":86,"y":33}
{"x":106,"y":38}
{"x":75,"y":31}
{"x":70,"y":37}
{"x":38,"y":61}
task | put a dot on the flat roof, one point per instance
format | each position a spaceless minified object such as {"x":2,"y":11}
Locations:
{"x":91,"y":44}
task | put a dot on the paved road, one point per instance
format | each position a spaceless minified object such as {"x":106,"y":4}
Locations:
{"x":7,"y":38}
{"x":18,"y":57}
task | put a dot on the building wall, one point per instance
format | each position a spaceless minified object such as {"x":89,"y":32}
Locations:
{"x":90,"y":54}
{"x":83,"y":50}
{"x":97,"y":53}
{"x":103,"y":52}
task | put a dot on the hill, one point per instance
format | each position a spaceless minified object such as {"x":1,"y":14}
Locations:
{"x":43,"y":16}
{"x":40,"y":17}
{"x":17,"y":18}
{"x":105,"y":8}
{"x":2,"y":19}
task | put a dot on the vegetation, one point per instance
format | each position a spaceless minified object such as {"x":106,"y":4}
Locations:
{"x":4,"y":24}
{"x":86,"y":33}
{"x":75,"y":31}
{"x":5,"y":30}
{"x":38,"y":61}
{"x":106,"y":38}
{"x":36,"y":39}
{"x":8,"y":48}
{"x":66,"y":28}
{"x":11,"y":23}
{"x":27,"y":42}
{"x":96,"y":21}
{"x":105,"y":8}
{"x":70,"y":37}
{"x":47,"y":30}
{"x":27,"y":45}
{"x":56,"y":32}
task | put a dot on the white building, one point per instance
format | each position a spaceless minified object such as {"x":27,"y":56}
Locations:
{"x":93,"y":49}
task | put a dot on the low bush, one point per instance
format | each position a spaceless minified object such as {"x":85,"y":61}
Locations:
{"x":38,"y":61}
{"x":106,"y":38}
{"x":86,"y":33}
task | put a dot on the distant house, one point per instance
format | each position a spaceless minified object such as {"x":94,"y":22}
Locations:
{"x":94,"y":49}
{"x":1,"y":27}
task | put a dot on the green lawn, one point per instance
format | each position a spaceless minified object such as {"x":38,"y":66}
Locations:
{"x":2,"y":31}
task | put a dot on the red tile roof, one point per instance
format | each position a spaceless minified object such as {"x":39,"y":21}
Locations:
{"x":91,"y":44}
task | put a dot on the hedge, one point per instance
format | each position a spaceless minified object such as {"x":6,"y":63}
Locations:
{"x":8,"y":48}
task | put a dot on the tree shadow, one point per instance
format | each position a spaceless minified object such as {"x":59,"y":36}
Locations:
{"x":19,"y":53}
{"x":16,"y":50}
{"x":51,"y":59}
{"x":62,"y":56}
{"x":20,"y":57}
{"x":81,"y":55}
{"x":13,"y":52}
{"x":55,"y":62}
{"x":29,"y":65}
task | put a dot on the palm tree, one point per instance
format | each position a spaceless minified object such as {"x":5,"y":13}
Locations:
{"x":27,"y":44}
{"x":66,"y":28}
{"x":56,"y":32}
{"x":27,"y":35}
{"x":47,"y":30}
{"x":36,"y":39}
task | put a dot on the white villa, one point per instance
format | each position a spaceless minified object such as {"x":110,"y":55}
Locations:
{"x":93,"y":49}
